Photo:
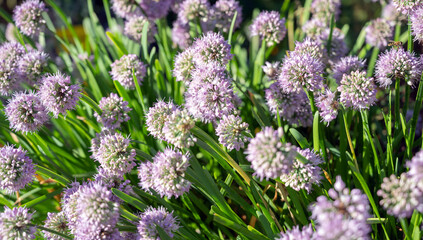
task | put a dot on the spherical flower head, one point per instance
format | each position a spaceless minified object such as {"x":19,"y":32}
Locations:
{"x":212,"y":48}
{"x":111,"y":150}
{"x":58,"y":94}
{"x":224,"y":11}
{"x":312,"y":47}
{"x":400,"y":196}
{"x":390,"y":13}
{"x":304,"y":175}
{"x":324,"y":9}
{"x":58,"y":223}
{"x":28,"y":17}
{"x":407,"y":6}
{"x":296,"y":234}
{"x":338,"y":46}
{"x":232,"y":132}
{"x":357,"y":91}
{"x":417,"y":24}
{"x":327,"y":105}
{"x":15,"y":223}
{"x":176,"y":129}
{"x":114,"y":111}
{"x":346,"y":65}
{"x":126,"y":8}
{"x":16,"y":169}
{"x":97,"y":213}
{"x":166,"y":174}
{"x":69,"y":203}
{"x":379,"y":32}
{"x":155,"y":9}
{"x":270,"y":27}
{"x":300,"y":71}
{"x":184,"y":65}
{"x":26,"y":113}
{"x":416,"y":167}
{"x":268,"y":156}
{"x":180,"y":34}
{"x":32,"y":65}
{"x":134,"y":26}
{"x":10,"y":53}
{"x":314,"y":27}
{"x":194,"y":10}
{"x":345,"y":214}
{"x":111,"y":180}
{"x":153,"y":217}
{"x":156,"y":117}
{"x":293,"y":107}
{"x":397,"y":63}
{"x":123,"y":68}
{"x":271,"y":70}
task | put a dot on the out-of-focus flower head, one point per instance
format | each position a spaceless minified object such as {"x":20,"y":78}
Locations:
{"x":31,"y":65}
{"x":379,"y":33}
{"x":324,"y":9}
{"x":296,"y":234}
{"x":28,"y":18}
{"x":194,"y":10}
{"x":155,"y":9}
{"x":338,"y":47}
{"x":123,"y":68}
{"x":180,"y":34}
{"x":314,"y":27}
{"x":417,"y":24}
{"x":126,"y":8}
{"x":134,"y":26}
{"x":270,"y":27}
{"x":10,"y":54}
{"x":224,"y":11}
{"x":346,"y":65}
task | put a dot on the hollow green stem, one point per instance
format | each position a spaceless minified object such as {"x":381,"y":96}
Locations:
{"x":349,"y":140}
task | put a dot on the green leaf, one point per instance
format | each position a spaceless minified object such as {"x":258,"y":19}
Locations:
{"x":163,"y":235}
{"x":299,"y":137}
{"x":316,"y":140}
{"x":249,"y":232}
{"x":43,"y":198}
{"x":48,"y":173}
{"x":129,"y":199}
{"x":118,"y":44}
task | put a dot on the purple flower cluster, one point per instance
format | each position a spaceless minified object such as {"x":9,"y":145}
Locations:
{"x":379,"y":32}
{"x":328,"y":105}
{"x":268,"y":156}
{"x":114,"y":111}
{"x":417,"y":23}
{"x":212,"y":48}
{"x":338,"y":47}
{"x":397,"y":63}
{"x":390,"y":13}
{"x":293,"y":107}
{"x":58,"y":223}
{"x":345,"y":214}
{"x":324,"y":9}
{"x":312,"y":47}
{"x":416,"y":167}
{"x":165,"y":174}
{"x":157,"y":116}
{"x":16,"y":169}
{"x":184,"y":65}
{"x":126,"y":8}
{"x":31,"y":65}
{"x":26,"y":113}
{"x":155,"y":9}
{"x":28,"y":18}
{"x":112,"y":180}
{"x":111,"y":150}
{"x":134,"y":26}
{"x":10,"y":54}
{"x":314,"y":28}
{"x":223,"y":13}
{"x":124,"y":68}
{"x":194,"y":10}
{"x":407,"y":6}
{"x":269,"y":26}
{"x":180,"y":34}
{"x":15,"y":223}
{"x":232,"y":132}
{"x":153,"y":217}
{"x":58,"y":94}
{"x":69,"y":204}
{"x":357,"y":90}
{"x":346,"y":65}
{"x":296,"y":234}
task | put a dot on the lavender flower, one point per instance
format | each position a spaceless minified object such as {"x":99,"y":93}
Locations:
{"x":416,"y":167}
{"x":177,"y":128}
{"x":111,"y":180}
{"x":58,"y":94}
{"x":184,"y":65}
{"x":268,"y":156}
{"x":324,"y":9}
{"x":314,"y":27}
{"x":327,"y":105}
{"x":111,"y":150}
{"x":212,"y":48}
{"x":390,"y":13}
{"x":126,"y":8}
{"x":346,"y":65}
{"x":338,"y":47}
{"x":16,"y":169}
{"x":166,"y":174}
{"x":293,"y":107}
{"x":417,"y":24}
{"x":32,"y":64}
{"x":58,"y":223}
{"x":270,"y":27}
{"x":28,"y":18}
{"x":15,"y":224}
{"x":344,"y":215}
{"x":180,"y":34}
{"x":224,"y":11}
{"x":69,"y":204}
{"x":194,"y":10}
{"x":397,"y":63}
{"x":400,"y":196}
{"x":114,"y":111}
{"x":153,"y":217}
{"x":97,"y":213}
{"x":407,"y":6}
{"x":122,"y":70}
{"x":271,"y":70}
{"x":304,"y":175}
{"x":231,"y":131}
{"x":157,"y":116}
{"x":312,"y":47}
{"x":379,"y":32}
{"x":134,"y":26}
{"x":357,"y":90}
{"x":10,"y":53}
{"x":26,"y":113}
{"x":300,"y":71}
{"x":296,"y":234}
{"x":155,"y":9}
